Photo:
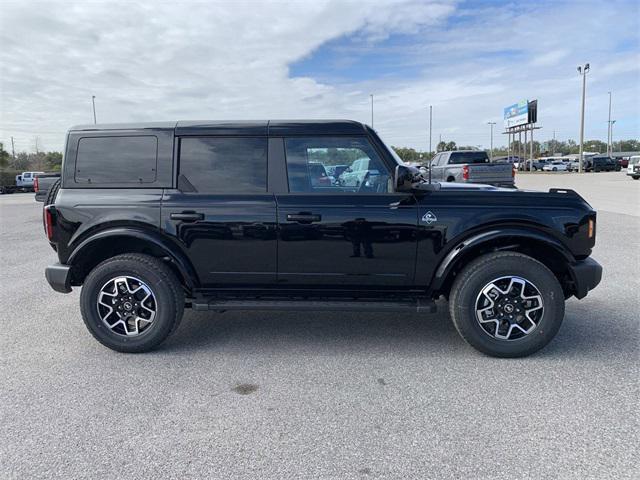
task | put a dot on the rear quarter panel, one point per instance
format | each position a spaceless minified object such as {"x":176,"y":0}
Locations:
{"x":79,"y":213}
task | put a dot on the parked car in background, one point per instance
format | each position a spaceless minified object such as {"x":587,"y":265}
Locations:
{"x":555,"y":167}
{"x":624,"y":162}
{"x":573,"y":165}
{"x":318,"y":175}
{"x":335,"y":171}
{"x":43,"y":183}
{"x":602,"y":164}
{"x":471,"y":166}
{"x":25,"y":180}
{"x":633,"y":168}
{"x":360,"y":171}
{"x":539,"y":164}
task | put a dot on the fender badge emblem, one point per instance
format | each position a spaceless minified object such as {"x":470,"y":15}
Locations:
{"x":429,"y":218}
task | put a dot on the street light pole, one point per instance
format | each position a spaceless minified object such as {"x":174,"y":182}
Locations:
{"x":491,"y":151}
{"x":582,"y":71}
{"x":93,"y":102}
{"x":609,"y":146}
{"x":371,"y":110}
{"x":611,"y":130}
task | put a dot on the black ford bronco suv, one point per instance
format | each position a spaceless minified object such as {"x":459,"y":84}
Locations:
{"x":152,"y":218}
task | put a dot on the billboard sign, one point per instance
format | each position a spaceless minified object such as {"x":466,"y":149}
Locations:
{"x":516,"y":114}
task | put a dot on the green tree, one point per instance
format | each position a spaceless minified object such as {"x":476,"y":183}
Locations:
{"x":627,"y":146}
{"x":53,"y":160}
{"x":4,"y":156}
{"x":595,"y":146}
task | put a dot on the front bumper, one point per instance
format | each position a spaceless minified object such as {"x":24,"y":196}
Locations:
{"x":59,"y":277}
{"x":586,"y":275}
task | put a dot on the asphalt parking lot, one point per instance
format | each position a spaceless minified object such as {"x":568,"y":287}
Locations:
{"x":286,"y":395}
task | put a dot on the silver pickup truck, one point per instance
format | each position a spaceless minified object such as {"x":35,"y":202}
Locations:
{"x":471,"y":166}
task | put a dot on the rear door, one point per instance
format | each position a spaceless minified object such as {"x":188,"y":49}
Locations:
{"x":359,"y":233}
{"x":220,"y":212}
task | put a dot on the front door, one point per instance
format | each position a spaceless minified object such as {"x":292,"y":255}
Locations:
{"x":221,"y":213}
{"x":351,"y":230}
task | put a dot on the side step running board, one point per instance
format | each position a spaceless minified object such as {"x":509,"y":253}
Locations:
{"x":419,"y":306}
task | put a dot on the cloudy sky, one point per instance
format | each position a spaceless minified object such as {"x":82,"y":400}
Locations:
{"x":318,"y":59}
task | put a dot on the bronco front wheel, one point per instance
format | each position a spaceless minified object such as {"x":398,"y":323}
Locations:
{"x":507,"y":304}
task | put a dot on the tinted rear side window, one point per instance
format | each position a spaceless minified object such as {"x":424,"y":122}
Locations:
{"x":468,"y":157}
{"x":106,"y":160}
{"x":225,"y":165}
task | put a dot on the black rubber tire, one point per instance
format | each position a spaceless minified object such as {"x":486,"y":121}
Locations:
{"x":52,"y":193}
{"x":483,"y":270}
{"x":162,"y":282}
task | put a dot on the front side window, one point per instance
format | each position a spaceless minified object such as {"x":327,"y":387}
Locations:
{"x":117,"y":159}
{"x":355,"y":165}
{"x":224,"y":164}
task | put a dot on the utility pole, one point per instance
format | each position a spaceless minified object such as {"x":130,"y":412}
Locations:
{"x":13,"y":149}
{"x":371,"y":110}
{"x":491,"y":151}
{"x":93,"y":102}
{"x":582,"y":71}
{"x":553,"y":148}
{"x":609,"y":146}
{"x":36,"y":141}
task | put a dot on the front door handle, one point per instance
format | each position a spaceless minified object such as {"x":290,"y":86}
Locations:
{"x":303,"y":217}
{"x":187,"y":216}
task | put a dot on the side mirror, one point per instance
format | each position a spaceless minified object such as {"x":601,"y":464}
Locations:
{"x":403,"y":178}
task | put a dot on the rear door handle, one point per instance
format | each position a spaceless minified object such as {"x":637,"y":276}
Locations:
{"x":303,"y":217}
{"x":187,"y":216}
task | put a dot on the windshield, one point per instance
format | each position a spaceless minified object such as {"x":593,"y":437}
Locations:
{"x":457,"y":158}
{"x":634,"y":160}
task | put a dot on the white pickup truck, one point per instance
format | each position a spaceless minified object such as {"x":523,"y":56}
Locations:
{"x":471,"y":166}
{"x":25,"y":180}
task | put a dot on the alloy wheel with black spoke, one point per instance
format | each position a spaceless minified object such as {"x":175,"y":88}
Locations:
{"x":509,"y":308}
{"x":506,"y":304}
{"x":132,"y":302}
{"x":127,"y":305}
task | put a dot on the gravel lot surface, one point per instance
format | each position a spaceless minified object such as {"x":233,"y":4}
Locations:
{"x":341,"y":396}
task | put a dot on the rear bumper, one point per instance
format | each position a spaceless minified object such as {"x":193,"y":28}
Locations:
{"x":586,"y":275}
{"x":59,"y":277}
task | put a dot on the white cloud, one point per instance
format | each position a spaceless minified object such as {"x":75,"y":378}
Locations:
{"x":230,"y":60}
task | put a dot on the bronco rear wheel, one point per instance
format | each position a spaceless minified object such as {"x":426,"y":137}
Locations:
{"x":132,"y":302}
{"x":507,"y":304}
